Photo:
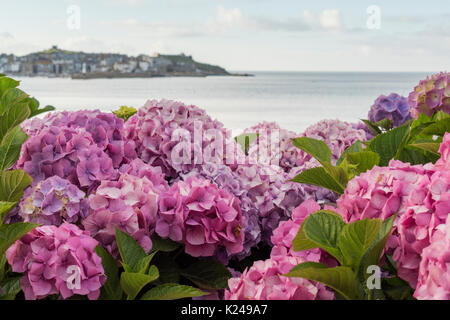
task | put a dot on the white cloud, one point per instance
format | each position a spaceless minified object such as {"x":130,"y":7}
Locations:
{"x":330,"y":19}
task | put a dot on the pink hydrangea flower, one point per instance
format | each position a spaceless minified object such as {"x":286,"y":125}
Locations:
{"x":68,"y":153}
{"x":202,"y":216}
{"x":265,"y":281}
{"x":431,"y":95}
{"x":434,"y":272}
{"x":130,"y":204}
{"x":106,"y":129}
{"x":53,"y":201}
{"x":161,"y":128}
{"x":140,"y":169}
{"x":444,"y":162}
{"x":49,"y":255}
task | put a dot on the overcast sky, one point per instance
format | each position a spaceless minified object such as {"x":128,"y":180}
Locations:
{"x":285,"y":35}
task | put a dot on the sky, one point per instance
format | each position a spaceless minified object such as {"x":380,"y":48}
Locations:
{"x":244,"y":35}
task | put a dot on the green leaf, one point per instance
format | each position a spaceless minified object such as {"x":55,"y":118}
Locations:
{"x":168,"y":269}
{"x":301,"y":242}
{"x":12,"y":97}
{"x":10,"y":233}
{"x":10,"y":288}
{"x":316,"y":148}
{"x":340,"y":279}
{"x":111,"y":290}
{"x":388,"y":144}
{"x":245,"y":140}
{"x":319,"y":177}
{"x":12,"y":184}
{"x":355,"y":147}
{"x":305,"y":265}
{"x":34,"y":107}
{"x":7,"y":83}
{"x":372,"y":127}
{"x":324,"y":227}
{"x":144,"y":263}
{"x":13,"y":117}
{"x":416,"y":156}
{"x":164,"y":245}
{"x":5,"y":207}
{"x":373,"y":254}
{"x":42,"y":110}
{"x":10,"y":147}
{"x":439,"y":128}
{"x":337,"y":173}
{"x":364,"y":160}
{"x":172,"y":291}
{"x":432,"y":147}
{"x":208,"y":274}
{"x":125,"y":112}
{"x":356,"y":238}
{"x":130,"y":251}
{"x":132,"y":283}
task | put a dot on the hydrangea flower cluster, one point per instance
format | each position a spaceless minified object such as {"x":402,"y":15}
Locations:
{"x":68,"y":153}
{"x":265,"y":281}
{"x":140,"y":169}
{"x":53,"y":201}
{"x":274,"y":145}
{"x":431,"y":95}
{"x":130,"y":204}
{"x":202,"y":216}
{"x":444,"y":162}
{"x":287,"y":230}
{"x":434,"y":272}
{"x":164,"y":131}
{"x":393,"y":107}
{"x":49,"y":255}
{"x":106,"y":129}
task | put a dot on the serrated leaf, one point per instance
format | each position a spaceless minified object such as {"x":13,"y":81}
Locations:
{"x":340,"y":279}
{"x":42,"y":110}
{"x":10,"y":288}
{"x":324,"y":227}
{"x":208,"y":274}
{"x":355,"y":147}
{"x":388,"y":144}
{"x":12,"y":184}
{"x":316,"y":148}
{"x":10,"y":233}
{"x":5,"y":207}
{"x":301,"y":242}
{"x":172,"y":291}
{"x":130,"y":251}
{"x":374,"y":129}
{"x":373,"y":254}
{"x":337,"y":173}
{"x":7,"y":83}
{"x":111,"y":290}
{"x":12,"y":97}
{"x":319,"y":177}
{"x":164,"y":245}
{"x":439,"y":128}
{"x":363,"y":160}
{"x":432,"y":147}
{"x":132,"y":283}
{"x":356,"y":238}
{"x":12,"y":118}
{"x":144,"y":263}
{"x":10,"y":147}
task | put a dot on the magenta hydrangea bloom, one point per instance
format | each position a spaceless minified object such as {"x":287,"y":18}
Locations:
{"x":431,"y":95}
{"x":287,"y":230}
{"x":434,"y":272}
{"x":53,"y":201}
{"x":427,"y":208}
{"x":265,"y":281}
{"x":140,"y":169}
{"x":444,"y":162}
{"x":68,"y":153}
{"x":49,"y":255}
{"x":130,"y":204}
{"x":393,"y":107}
{"x":164,"y":131}
{"x":202,"y":216}
{"x":106,"y":129}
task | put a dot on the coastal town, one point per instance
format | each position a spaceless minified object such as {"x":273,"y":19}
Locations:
{"x":56,"y":62}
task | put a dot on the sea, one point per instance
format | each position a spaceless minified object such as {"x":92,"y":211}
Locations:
{"x":295,"y":100}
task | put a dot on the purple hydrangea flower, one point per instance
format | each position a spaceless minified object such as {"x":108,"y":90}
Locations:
{"x":106,"y":129}
{"x":49,"y":255}
{"x":53,"y":201}
{"x":431,"y":95}
{"x":68,"y":153}
{"x":393,"y":107}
